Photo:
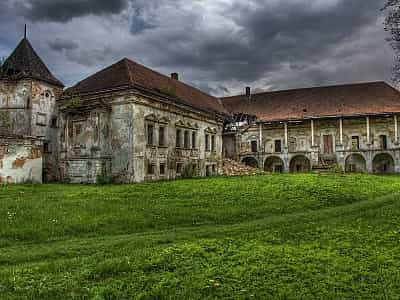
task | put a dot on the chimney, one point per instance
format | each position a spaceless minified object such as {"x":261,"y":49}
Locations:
{"x":248,"y":92}
{"x":175,"y":76}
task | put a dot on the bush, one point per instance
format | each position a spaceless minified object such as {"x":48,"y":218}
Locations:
{"x":190,"y":171}
{"x":335,"y":168}
{"x":105,"y":179}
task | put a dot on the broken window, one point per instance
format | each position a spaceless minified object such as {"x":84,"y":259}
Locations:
{"x":161,"y":136}
{"x":186,"y":140}
{"x":150,"y":168}
{"x":383,"y":142}
{"x":179,"y":167}
{"x":194,"y":144}
{"x":150,"y":134}
{"x":46,"y":147}
{"x":178,"y":138}
{"x":207,"y":142}
{"x":162,"y":169}
{"x":254,"y":146}
{"x":213,"y":143}
{"x":355,"y":143}
{"x":278,"y":146}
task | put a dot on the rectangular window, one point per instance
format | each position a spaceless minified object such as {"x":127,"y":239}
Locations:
{"x":214,"y":170}
{"x":186,"y":140}
{"x":355,"y":143}
{"x":213,"y":144}
{"x":194,"y":144}
{"x":150,"y":134}
{"x":207,"y":142}
{"x":162,"y":169}
{"x":46,"y":147}
{"x":278,"y":146}
{"x":178,"y":138}
{"x":254,"y":147}
{"x":53,"y":123}
{"x":150,"y":168}
{"x":179,"y":167}
{"x":161,"y":136}
{"x":383,"y":141}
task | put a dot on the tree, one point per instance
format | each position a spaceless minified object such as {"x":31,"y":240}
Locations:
{"x":392,"y":25}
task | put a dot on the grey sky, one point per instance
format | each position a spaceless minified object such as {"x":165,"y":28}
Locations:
{"x":218,"y":45}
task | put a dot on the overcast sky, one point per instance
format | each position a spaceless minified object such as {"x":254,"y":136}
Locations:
{"x":220,"y":46}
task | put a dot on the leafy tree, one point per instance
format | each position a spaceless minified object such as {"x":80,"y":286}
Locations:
{"x":392,"y":25}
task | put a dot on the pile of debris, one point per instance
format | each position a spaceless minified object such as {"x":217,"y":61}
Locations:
{"x":233,"y":168}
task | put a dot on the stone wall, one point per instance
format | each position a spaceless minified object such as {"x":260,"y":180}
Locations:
{"x":21,"y":160}
{"x":301,"y":146}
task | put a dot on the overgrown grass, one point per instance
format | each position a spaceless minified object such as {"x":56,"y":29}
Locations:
{"x":283,"y":237}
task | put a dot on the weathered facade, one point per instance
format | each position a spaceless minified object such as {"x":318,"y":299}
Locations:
{"x":28,"y":118}
{"x":128,"y":123}
{"x":130,"y":130}
{"x":357,"y":131}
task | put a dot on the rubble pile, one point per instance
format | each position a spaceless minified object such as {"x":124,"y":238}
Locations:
{"x":233,"y":168}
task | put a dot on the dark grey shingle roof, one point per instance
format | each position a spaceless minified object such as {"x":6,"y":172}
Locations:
{"x":24,"y":62}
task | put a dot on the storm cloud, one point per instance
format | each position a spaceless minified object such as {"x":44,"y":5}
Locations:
{"x":218,"y":45}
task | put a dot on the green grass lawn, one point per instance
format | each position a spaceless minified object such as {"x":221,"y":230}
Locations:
{"x":260,"y":237}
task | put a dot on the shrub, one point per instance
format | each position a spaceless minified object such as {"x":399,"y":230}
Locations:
{"x":105,"y":179}
{"x":190,"y":171}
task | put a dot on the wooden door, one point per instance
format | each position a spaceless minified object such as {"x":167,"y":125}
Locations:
{"x":328,"y":144}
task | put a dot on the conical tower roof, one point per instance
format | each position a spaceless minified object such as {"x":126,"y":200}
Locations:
{"x":24,"y":62}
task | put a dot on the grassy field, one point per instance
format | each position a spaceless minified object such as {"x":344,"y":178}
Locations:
{"x":261,"y":237}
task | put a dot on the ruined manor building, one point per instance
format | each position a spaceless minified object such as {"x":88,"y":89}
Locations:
{"x":132,"y":124}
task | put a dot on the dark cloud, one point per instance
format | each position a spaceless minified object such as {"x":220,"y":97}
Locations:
{"x":61,"y":45}
{"x":65,"y":10}
{"x":219,"y":46}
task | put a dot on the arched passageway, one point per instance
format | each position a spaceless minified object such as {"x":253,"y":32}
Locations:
{"x":300,"y":164}
{"x":250,"y":161}
{"x":355,"y":163}
{"x":383,"y":163}
{"x":274,"y":164}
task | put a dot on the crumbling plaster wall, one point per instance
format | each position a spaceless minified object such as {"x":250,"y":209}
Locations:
{"x":299,"y":140}
{"x":20,"y":160}
{"x":172,"y":117}
{"x":14,"y":107}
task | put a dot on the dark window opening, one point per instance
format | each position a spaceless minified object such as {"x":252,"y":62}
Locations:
{"x":46,"y":147}
{"x":254,"y":147}
{"x":150,"y":134}
{"x":53,"y":123}
{"x":162,"y":169}
{"x":178,"y":138}
{"x":186,"y":140}
{"x":207,"y":142}
{"x":194,"y":144}
{"x":383,"y":140}
{"x":278,"y":146}
{"x":161,"y":136}
{"x":213,"y":143}
{"x":208,"y":171}
{"x":355,"y":143}
{"x":298,"y":168}
{"x":179,"y":167}
{"x":214,"y":169}
{"x":150,"y":168}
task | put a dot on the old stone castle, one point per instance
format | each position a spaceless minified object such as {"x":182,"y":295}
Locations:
{"x":132,"y":124}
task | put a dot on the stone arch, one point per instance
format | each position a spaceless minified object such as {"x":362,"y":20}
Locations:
{"x":383,"y":163}
{"x":250,"y":161}
{"x":274,"y":164}
{"x":355,"y":163}
{"x":300,"y":164}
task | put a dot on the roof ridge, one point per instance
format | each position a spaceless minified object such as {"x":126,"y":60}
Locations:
{"x":170,"y":80}
{"x":311,"y":88}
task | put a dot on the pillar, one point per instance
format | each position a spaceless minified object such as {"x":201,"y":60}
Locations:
{"x":341,"y":131}
{"x":260,"y":147}
{"x":286,"y":135}
{"x":368,"y":130}
{"x":312,"y":134}
{"x":396,"y":130}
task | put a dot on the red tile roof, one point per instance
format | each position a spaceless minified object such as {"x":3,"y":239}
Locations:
{"x":127,"y":73}
{"x":341,"y":100}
